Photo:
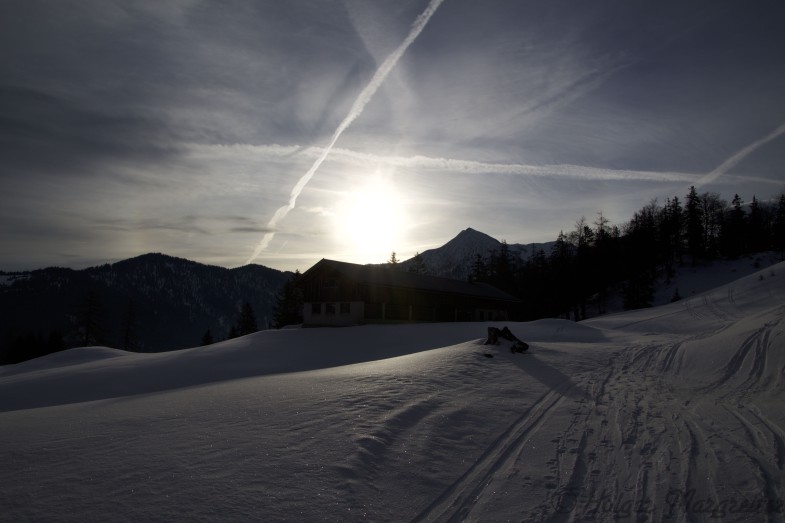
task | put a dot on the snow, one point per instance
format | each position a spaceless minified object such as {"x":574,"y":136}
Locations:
{"x":674,"y":412}
{"x":690,"y":280}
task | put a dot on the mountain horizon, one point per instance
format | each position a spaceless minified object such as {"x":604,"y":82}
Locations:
{"x":462,"y":235}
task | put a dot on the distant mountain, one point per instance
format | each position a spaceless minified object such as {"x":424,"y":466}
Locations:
{"x":454,"y":259}
{"x":162,"y":302}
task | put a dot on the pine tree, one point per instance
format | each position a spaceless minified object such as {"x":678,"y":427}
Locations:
{"x":246,"y":322}
{"x":393,"y":259}
{"x":478,"y":270}
{"x":90,"y":320}
{"x":712,"y":212}
{"x":601,"y":228}
{"x":670,"y":236}
{"x":502,"y":268}
{"x":778,"y":226}
{"x":130,"y":331}
{"x":207,"y":338}
{"x":583,"y":239}
{"x":288,"y":309}
{"x":418,"y":265}
{"x":641,"y":255}
{"x":694,"y":222}
{"x":756,"y":228}
{"x":732,"y":239}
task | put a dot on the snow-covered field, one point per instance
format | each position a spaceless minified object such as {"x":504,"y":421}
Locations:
{"x":671,"y":412}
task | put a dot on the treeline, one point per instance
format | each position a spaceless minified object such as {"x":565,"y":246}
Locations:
{"x":92,"y":324}
{"x":593,"y":260}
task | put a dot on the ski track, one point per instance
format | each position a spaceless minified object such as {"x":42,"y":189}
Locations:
{"x":606,"y":431}
{"x":638,"y":447}
{"x":456,"y":503}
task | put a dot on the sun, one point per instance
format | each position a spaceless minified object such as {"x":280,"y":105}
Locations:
{"x":372,"y":221}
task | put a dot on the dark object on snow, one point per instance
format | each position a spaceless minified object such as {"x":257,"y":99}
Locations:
{"x":519,"y":346}
{"x":494,"y":334}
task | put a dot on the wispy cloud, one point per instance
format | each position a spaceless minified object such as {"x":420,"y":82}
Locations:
{"x":734,"y":160}
{"x":443,"y":165}
{"x":511,"y":117}
{"x":357,"y":107}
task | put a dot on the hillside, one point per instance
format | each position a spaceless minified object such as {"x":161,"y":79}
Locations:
{"x":156,"y":302}
{"x":166,"y":302}
{"x":673,"y":412}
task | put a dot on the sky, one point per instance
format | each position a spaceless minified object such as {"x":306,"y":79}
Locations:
{"x":280,"y":133}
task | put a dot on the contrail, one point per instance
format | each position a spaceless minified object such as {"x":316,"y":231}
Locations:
{"x":357,"y":108}
{"x":739,"y":156}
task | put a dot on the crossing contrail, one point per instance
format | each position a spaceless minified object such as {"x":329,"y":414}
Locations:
{"x":739,"y":156}
{"x":357,"y":108}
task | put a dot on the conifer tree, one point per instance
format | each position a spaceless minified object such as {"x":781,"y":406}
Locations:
{"x":478,"y":270}
{"x":712,"y":212}
{"x":670,"y":227}
{"x":502,"y":268}
{"x":778,"y":227}
{"x":756,"y":228}
{"x":694,"y":223}
{"x":246,"y":323}
{"x":418,"y":265}
{"x":288,"y":309}
{"x":732,"y":236}
{"x":90,"y":320}
{"x":130,"y":331}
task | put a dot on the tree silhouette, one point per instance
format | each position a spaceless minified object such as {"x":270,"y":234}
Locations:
{"x":478,"y":270}
{"x":90,"y":320}
{"x":712,"y":211}
{"x":130,"y":330}
{"x":502,"y":268}
{"x":288,"y":309}
{"x":757,"y":235}
{"x":418,"y":265}
{"x":246,"y":323}
{"x":778,"y":226}
{"x":694,"y":221}
{"x":732,"y":239}
{"x":207,"y":339}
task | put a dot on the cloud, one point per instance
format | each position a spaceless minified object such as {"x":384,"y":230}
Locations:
{"x":740,"y":155}
{"x":174,"y":117}
{"x":357,"y":107}
{"x":40,"y":132}
{"x":348,"y":157}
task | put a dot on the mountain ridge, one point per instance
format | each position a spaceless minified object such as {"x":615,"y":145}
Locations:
{"x":158,"y":302}
{"x":454,"y":258}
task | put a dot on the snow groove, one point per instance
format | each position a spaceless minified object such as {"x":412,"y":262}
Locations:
{"x":455,"y":503}
{"x":777,"y":434}
{"x":752,"y":354}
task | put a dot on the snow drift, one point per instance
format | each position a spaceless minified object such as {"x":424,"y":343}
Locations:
{"x":670,"y":412}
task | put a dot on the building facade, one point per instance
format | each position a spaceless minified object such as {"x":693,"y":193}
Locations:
{"x":339,"y":294}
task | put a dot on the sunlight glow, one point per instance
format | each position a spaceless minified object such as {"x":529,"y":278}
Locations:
{"x":372,"y":222}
